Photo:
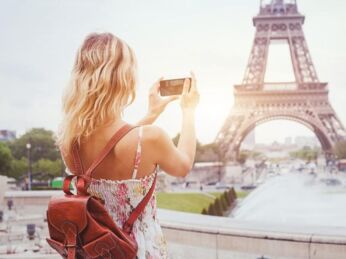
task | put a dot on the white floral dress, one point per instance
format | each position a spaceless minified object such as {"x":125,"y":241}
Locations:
{"x":122,"y":196}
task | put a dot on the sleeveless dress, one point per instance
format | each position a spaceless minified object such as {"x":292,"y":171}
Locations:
{"x":122,"y":196}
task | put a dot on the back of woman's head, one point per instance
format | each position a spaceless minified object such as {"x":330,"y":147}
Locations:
{"x":102,"y":84}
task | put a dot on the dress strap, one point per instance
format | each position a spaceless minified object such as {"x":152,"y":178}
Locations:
{"x":138,"y":153}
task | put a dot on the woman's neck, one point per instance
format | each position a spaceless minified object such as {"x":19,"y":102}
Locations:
{"x":111,"y":122}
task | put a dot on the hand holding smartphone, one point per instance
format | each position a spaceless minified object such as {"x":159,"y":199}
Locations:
{"x":173,"y":86}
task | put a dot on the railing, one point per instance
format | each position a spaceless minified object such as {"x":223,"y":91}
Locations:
{"x":198,"y":236}
{"x":281,"y":86}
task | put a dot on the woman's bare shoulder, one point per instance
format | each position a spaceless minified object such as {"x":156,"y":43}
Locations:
{"x":154,"y":134}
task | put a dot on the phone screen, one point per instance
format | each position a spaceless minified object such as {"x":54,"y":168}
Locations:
{"x":172,"y":86}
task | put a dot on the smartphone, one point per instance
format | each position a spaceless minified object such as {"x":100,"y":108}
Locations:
{"x":173,"y":86}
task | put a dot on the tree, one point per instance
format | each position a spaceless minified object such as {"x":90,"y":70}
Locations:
{"x":42,"y":145}
{"x":242,"y":157}
{"x":340,"y":149}
{"x":306,"y":153}
{"x":232,"y":195}
{"x":19,"y":167}
{"x":47,"y":168}
{"x":207,"y":152}
{"x":10,"y":166}
{"x":5,"y":159}
{"x":200,"y":149}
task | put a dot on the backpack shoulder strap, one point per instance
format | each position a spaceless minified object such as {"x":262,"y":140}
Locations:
{"x":110,"y":145}
{"x":77,"y":163}
{"x":140,"y":207}
{"x":104,"y":152}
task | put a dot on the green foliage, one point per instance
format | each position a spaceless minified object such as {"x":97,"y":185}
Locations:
{"x":232,"y":196}
{"x":10,"y":166}
{"x":212,"y":210}
{"x":306,"y":153}
{"x":340,"y":149}
{"x":43,"y":153}
{"x":233,"y":192}
{"x":223,"y":208}
{"x":5,"y":159}
{"x":242,"y":194}
{"x":208,"y":153}
{"x":218,"y":207}
{"x":19,"y":167}
{"x":187,"y":202}
{"x":204,"y":153}
{"x":176,"y":140}
{"x":224,"y":203}
{"x":192,"y":202}
{"x":250,"y":154}
{"x":226,"y":198}
{"x":246,"y":154}
{"x":42,"y":145}
{"x":48,"y":168}
{"x":242,"y":157}
{"x":216,"y":194}
{"x":204,"y":211}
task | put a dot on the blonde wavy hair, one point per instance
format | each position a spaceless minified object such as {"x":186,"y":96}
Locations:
{"x":103,"y":83}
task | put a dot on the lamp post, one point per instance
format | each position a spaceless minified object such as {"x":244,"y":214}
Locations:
{"x":28,"y":147}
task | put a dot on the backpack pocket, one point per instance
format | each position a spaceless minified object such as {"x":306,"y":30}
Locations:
{"x":109,"y":246}
{"x":59,"y":247}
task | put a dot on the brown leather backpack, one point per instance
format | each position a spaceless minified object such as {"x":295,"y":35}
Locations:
{"x":80,"y":226}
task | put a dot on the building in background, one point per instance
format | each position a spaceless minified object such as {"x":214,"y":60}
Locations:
{"x":7,"y":135}
{"x":305,"y":141}
{"x":288,"y":141}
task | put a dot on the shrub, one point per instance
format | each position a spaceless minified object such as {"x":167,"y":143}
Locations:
{"x":224,"y":203}
{"x":226,"y":196}
{"x":232,"y":195}
{"x":211,"y":209}
{"x":218,"y":207}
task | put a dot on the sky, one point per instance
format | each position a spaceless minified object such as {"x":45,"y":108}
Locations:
{"x":39,"y":39}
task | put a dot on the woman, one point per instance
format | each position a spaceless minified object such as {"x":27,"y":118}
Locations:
{"x":102,"y":85}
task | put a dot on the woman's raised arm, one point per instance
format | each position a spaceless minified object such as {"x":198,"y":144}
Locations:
{"x":178,"y":161}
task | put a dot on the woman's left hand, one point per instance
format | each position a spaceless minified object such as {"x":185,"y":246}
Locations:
{"x":157,"y":104}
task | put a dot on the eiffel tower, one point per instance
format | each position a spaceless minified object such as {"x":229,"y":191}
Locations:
{"x":304,"y":101}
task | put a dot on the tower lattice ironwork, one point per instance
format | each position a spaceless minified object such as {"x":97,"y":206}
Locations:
{"x":305,"y":100}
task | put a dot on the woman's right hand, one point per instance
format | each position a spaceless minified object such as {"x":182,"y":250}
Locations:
{"x":178,"y":160}
{"x":189,"y":99}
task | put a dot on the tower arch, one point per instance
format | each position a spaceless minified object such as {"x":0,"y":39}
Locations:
{"x":305,"y":100}
{"x":323,"y":140}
